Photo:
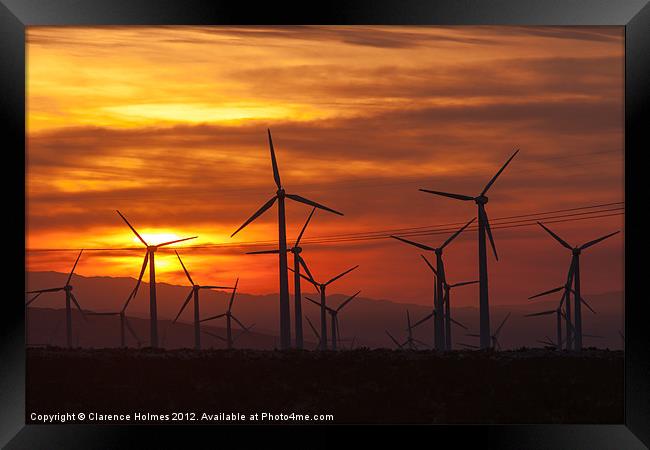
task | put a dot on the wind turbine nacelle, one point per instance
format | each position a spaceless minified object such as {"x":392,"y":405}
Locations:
{"x":576,"y":251}
{"x":280,"y":193}
{"x":481,"y":200}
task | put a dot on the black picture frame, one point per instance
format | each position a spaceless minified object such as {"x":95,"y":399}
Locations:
{"x":15,"y":15}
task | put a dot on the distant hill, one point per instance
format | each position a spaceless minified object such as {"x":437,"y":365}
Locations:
{"x":364,"y":319}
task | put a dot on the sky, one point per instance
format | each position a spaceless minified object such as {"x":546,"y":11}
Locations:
{"x":168,"y":125}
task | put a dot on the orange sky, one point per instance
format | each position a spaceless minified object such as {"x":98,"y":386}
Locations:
{"x":168,"y":124}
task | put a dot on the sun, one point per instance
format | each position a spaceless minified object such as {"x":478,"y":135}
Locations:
{"x":154,"y":238}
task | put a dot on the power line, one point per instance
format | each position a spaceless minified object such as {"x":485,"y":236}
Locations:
{"x":595,"y":211}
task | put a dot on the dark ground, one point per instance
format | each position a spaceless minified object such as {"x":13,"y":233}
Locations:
{"x":358,"y":386}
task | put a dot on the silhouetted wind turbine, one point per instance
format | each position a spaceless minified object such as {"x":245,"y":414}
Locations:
{"x":285,"y":321}
{"x":298,"y":261}
{"x":149,"y":258}
{"x":447,"y":308}
{"x":410,"y":340}
{"x":229,"y":318}
{"x":124,"y":324}
{"x":195,"y":293}
{"x":69,"y":296}
{"x":574,"y":274}
{"x":483,"y":228}
{"x":439,"y":331}
{"x":566,"y":290}
{"x":494,"y":338}
{"x":334,"y":318}
{"x":448,"y":321}
{"x":321,"y":287}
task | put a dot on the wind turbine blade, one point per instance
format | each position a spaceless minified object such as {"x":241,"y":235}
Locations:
{"x":93,"y":313}
{"x":342,"y":274}
{"x":131,"y":330}
{"x":330,"y":310}
{"x":304,"y":227}
{"x":429,"y":264}
{"x":73,"y":268}
{"x":41,"y":291}
{"x":276,"y":171}
{"x":313,"y":301}
{"x":543,"y":313}
{"x":218,"y":316}
{"x":494,"y":178}
{"x":447,"y":194}
{"x":453,"y":236}
{"x":555,"y":236}
{"x":408,"y":320}
{"x":144,"y":267}
{"x":584,"y":302}
{"x":240,"y":324}
{"x":393,"y":339}
{"x":76,"y":303}
{"x":347,"y":301}
{"x":550,"y":291}
{"x":473,"y":335}
{"x":496,"y":333}
{"x":306,"y":201}
{"x":424,"y":319}
{"x":187,"y":300}
{"x":313,"y":328}
{"x":596,"y":241}
{"x":311,"y":280}
{"x":128,"y":300}
{"x":216,"y":336}
{"x":303,"y":264}
{"x":258,"y":213}
{"x":177,"y":240}
{"x":184,"y":269}
{"x":463,"y":283}
{"x":215,"y":287}
{"x":30,"y":301}
{"x":457,"y":323}
{"x":232,"y":296}
{"x":421,"y":343}
{"x":133,"y":229}
{"x":422,"y":246}
{"x":489,"y":233}
{"x":264,"y":252}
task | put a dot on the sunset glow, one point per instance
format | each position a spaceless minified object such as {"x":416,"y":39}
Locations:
{"x":168,"y":125}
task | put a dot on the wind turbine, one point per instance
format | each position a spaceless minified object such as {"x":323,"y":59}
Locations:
{"x":69,"y":296}
{"x":297,"y":262}
{"x":195,"y":293}
{"x":229,"y":318}
{"x":447,"y":309}
{"x":149,"y":258}
{"x":494,"y":338}
{"x":483,"y":228}
{"x":334,"y":318}
{"x":574,"y":275}
{"x":448,"y":320}
{"x":411,"y":342}
{"x":566,"y":290}
{"x":321,"y":287}
{"x":280,"y":195}
{"x":124,"y":325}
{"x":439,"y":331}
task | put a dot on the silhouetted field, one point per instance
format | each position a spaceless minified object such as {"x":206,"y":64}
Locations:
{"x":358,"y":386}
